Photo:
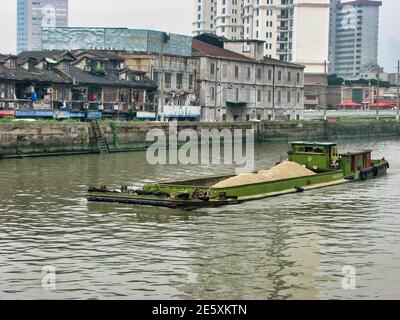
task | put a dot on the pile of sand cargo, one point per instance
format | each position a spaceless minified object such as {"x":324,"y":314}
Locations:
{"x":284,"y":170}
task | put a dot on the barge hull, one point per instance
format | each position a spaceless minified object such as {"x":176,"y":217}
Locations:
{"x":192,"y":205}
{"x":186,"y":205}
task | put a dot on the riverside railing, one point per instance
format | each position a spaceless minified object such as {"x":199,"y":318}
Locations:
{"x":78,"y":105}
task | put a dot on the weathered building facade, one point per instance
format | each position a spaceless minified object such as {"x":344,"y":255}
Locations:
{"x":244,"y":86}
{"x":220,"y":80}
{"x":176,"y":76}
{"x":315,"y":91}
{"x":88,"y":80}
{"x":361,"y":95}
{"x":166,"y":58}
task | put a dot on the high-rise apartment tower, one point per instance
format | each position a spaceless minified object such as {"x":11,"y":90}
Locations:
{"x":293,"y":30}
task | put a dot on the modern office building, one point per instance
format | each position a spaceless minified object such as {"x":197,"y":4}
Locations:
{"x":33,"y":15}
{"x":354,"y":29}
{"x":293,"y":30}
{"x":116,"y":39}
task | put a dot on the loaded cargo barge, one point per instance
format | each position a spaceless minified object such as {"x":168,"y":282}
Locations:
{"x":310,"y":165}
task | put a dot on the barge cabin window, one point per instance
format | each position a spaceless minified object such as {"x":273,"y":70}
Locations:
{"x":309,"y":149}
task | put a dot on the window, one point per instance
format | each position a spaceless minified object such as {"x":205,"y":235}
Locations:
{"x":259,"y":73}
{"x":66,"y":66}
{"x":236,"y":72}
{"x":224,"y":70}
{"x":212,"y":68}
{"x":155,"y":76}
{"x":212,"y":93}
{"x":258,"y":95}
{"x":247,"y":95}
{"x":191,"y":78}
{"x":168,"y":77}
{"x":13,"y":64}
{"x":179,"y":80}
{"x":309,"y":149}
{"x":269,"y":74}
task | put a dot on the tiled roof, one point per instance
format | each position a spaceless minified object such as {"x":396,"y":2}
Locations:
{"x":110,"y":79}
{"x":39,"y":55}
{"x":204,"y":49}
{"x":277,"y":62}
{"x":20,"y":74}
{"x":56,"y":54}
{"x":80,"y":77}
{"x":100,"y":53}
{"x":200,"y":49}
{"x":73,"y":75}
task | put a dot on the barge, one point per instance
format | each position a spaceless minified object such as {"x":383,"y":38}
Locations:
{"x":310,"y":165}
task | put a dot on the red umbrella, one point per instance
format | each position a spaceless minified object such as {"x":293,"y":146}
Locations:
{"x":349,"y":104}
{"x":380,"y":105}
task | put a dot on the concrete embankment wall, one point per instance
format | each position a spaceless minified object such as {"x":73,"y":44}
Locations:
{"x":25,"y":139}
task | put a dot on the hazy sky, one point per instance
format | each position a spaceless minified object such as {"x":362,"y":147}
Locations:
{"x":174,"y":16}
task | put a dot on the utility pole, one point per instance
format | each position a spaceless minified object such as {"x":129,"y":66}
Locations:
{"x":164,"y":39}
{"x":377,"y":102}
{"x":398,"y":92}
{"x":215,"y":90}
{"x":273,"y":93}
{"x":161,"y":102}
{"x":325,"y":92}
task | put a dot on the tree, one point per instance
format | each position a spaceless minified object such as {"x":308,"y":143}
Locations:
{"x":333,"y":79}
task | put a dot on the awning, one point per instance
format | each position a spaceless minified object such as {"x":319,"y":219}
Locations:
{"x":182,"y":112}
{"x":34,"y":113}
{"x":381,"y":105}
{"x":236,"y":103}
{"x":146,"y":115}
{"x":349,"y":104}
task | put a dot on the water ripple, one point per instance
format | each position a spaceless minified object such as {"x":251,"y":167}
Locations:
{"x":288,"y":247}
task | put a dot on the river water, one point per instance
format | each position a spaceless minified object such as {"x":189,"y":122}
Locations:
{"x":289,"y":247}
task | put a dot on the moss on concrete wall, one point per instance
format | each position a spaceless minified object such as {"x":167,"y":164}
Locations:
{"x":18,"y":139}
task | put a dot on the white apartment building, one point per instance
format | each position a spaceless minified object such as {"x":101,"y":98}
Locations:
{"x":205,"y":12}
{"x":293,"y":30}
{"x":228,"y":21}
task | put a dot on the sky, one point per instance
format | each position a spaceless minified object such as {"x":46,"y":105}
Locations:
{"x":175,"y":16}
